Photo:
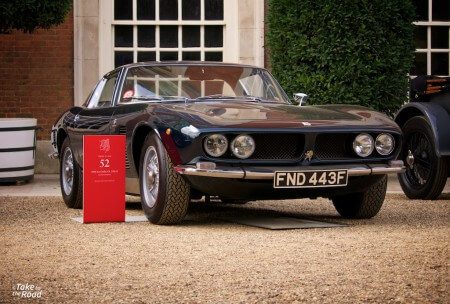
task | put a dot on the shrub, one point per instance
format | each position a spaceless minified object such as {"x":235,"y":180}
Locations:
{"x":343,"y":51}
{"x":27,"y":15}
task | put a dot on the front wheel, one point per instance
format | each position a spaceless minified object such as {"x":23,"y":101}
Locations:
{"x":70,"y":177}
{"x":426,"y":172}
{"x":164,"y":193}
{"x":362,"y":205}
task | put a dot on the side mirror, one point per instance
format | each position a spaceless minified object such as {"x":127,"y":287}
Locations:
{"x":301,"y":98}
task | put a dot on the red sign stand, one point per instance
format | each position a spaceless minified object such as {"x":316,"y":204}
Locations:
{"x":103,"y":178}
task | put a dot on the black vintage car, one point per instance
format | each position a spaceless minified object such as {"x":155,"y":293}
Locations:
{"x":228,"y":130}
{"x":425,"y":122}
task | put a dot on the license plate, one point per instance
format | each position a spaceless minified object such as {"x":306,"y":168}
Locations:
{"x":310,"y":179}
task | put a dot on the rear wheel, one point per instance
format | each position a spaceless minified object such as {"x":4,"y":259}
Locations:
{"x":362,"y":205}
{"x":70,"y":177}
{"x":426,"y":173}
{"x":164,"y":193}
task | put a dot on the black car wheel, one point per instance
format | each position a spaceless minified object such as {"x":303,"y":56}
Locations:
{"x":362,"y":205}
{"x":70,"y":177}
{"x":426,"y":173}
{"x":164,"y":193}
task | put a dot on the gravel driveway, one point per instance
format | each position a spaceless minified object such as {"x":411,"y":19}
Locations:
{"x":401,"y":256}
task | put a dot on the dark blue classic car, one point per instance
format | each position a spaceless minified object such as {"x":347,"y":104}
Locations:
{"x":228,"y":130}
{"x":425,"y":121}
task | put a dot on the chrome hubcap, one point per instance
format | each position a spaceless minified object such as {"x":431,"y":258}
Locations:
{"x":67,"y":171}
{"x":150,"y":178}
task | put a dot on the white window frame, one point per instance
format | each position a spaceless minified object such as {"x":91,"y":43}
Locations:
{"x":106,"y":33}
{"x":429,"y":50}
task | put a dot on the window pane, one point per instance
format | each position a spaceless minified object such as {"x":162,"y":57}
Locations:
{"x":213,"y":9}
{"x":146,"y":56}
{"x":123,"y":9}
{"x":441,"y":10}
{"x":420,"y":37}
{"x":191,"y":89}
{"x":121,"y":58}
{"x":191,"y":36}
{"x":146,"y":9}
{"x":123,"y":35}
{"x":421,"y":10}
{"x":168,"y":88}
{"x":439,"y":63}
{"x":191,"y":9}
{"x":107,"y":93}
{"x":213,"y":36}
{"x":146,"y":35}
{"x":168,"y":9}
{"x":168,"y":36}
{"x":420,"y":64}
{"x":168,"y":56}
{"x":213,"y":56}
{"x":439,"y":37}
{"x":193,"y":56}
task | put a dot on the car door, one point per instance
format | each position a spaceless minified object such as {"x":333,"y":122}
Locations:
{"x":94,"y":118}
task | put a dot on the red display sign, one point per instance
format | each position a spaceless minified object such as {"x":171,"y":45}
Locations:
{"x":103,"y":178}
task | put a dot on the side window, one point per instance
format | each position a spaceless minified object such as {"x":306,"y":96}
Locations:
{"x":103,"y":93}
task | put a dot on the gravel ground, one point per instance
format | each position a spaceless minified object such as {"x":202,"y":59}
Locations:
{"x":401,"y":256}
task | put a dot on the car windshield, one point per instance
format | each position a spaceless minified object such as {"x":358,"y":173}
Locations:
{"x":200,"y":83}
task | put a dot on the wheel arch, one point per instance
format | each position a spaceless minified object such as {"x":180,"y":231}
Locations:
{"x":60,"y":137}
{"x":139,"y":134}
{"x":436,"y":116}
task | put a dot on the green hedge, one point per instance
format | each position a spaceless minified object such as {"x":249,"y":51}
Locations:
{"x":28,"y":15}
{"x":343,"y":51}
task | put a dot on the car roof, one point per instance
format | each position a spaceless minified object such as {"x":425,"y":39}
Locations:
{"x":188,"y":63}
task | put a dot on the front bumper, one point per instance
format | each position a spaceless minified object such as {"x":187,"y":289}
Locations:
{"x":208,"y":169}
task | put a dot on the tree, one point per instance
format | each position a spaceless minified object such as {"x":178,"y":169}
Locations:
{"x":343,"y":51}
{"x":28,"y":15}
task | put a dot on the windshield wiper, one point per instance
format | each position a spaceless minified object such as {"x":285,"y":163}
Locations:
{"x":215,"y":96}
{"x":146,"y":98}
{"x":220,"y":96}
{"x":156,"y":98}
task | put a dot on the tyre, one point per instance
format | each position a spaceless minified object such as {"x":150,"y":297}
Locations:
{"x":70,"y":177}
{"x":362,"y":205}
{"x":164,"y":193}
{"x":426,"y":173}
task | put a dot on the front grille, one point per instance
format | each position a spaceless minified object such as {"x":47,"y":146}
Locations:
{"x":278,"y":146}
{"x":273,"y":147}
{"x":332,"y":146}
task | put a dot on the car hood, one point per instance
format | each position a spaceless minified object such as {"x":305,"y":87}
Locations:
{"x":250,"y":115}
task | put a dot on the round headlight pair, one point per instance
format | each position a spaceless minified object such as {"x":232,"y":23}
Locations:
{"x":242,"y":146}
{"x":364,"y":144}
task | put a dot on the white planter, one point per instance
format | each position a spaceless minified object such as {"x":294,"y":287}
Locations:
{"x":17,"y":148}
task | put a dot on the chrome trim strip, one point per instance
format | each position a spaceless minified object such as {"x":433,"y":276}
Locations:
{"x":268,"y":173}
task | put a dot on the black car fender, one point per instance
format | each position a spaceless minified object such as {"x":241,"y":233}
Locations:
{"x":437,"y":117}
{"x":141,"y":131}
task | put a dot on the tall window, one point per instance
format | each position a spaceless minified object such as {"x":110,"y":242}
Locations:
{"x":432,"y":38}
{"x":149,"y":30}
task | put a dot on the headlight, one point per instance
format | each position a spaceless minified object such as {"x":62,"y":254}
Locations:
{"x":215,"y":145}
{"x":384,"y":144}
{"x":243,"y":146}
{"x":363,"y":145}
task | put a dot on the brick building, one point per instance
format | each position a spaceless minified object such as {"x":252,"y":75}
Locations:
{"x":46,"y":72}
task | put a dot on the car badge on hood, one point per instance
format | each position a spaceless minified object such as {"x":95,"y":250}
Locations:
{"x":309,"y":155}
